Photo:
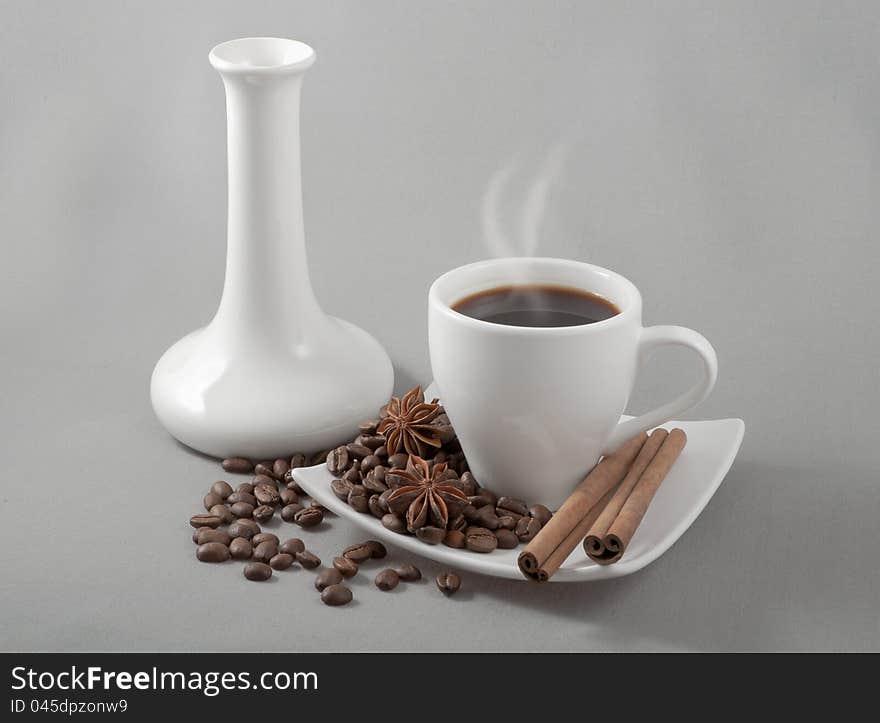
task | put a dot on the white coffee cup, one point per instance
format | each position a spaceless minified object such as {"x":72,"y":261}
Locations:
{"x":536,"y":407}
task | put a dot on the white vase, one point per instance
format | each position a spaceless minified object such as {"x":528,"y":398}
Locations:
{"x":271,"y":374}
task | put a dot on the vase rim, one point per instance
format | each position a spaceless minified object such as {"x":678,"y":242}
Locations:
{"x":261,"y":55}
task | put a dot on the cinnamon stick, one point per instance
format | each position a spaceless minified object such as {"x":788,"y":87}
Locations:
{"x":614,"y":541}
{"x":593,"y":543}
{"x":553,"y":544}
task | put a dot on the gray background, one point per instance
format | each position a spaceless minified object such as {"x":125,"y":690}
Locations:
{"x":724,"y":156}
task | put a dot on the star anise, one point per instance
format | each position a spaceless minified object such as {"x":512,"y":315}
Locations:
{"x":426,"y":493}
{"x":408,"y":424}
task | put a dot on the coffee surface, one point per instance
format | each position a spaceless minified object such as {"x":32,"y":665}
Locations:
{"x":536,"y":306}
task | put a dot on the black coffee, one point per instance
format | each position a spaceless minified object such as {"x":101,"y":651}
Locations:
{"x":536,"y":305}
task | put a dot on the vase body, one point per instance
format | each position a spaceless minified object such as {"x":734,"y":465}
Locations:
{"x":271,"y":374}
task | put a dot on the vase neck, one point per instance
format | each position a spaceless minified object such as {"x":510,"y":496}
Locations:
{"x":266,"y":292}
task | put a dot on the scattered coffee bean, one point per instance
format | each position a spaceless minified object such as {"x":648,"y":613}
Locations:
{"x":211,"y":499}
{"x":262,"y":479}
{"x":541,"y":513}
{"x":358,"y":451}
{"x":375,"y":507}
{"x":222,"y":511}
{"x":394,"y":523}
{"x":507,"y":539}
{"x":242,"y":496}
{"x":369,"y":463}
{"x":205,"y":521}
{"x":264,"y":537}
{"x":309,"y":560}
{"x":244,"y":528}
{"x":242,"y":509}
{"x":265,"y":551}
{"x":527,"y":528}
{"x":358,"y":552}
{"x":431,"y":535}
{"x":479,"y":501}
{"x":281,"y":561}
{"x":458,"y":523}
{"x":338,"y":461}
{"x":291,"y":483}
{"x":507,"y":523}
{"x":353,"y":476}
{"x":454,"y":538}
{"x":448,"y":582}
{"x":257,"y":571}
{"x":224,"y":489}
{"x":486,"y":517}
{"x":374,"y":484}
{"x":468,"y":484}
{"x":292,"y":546}
{"x":237,"y":465}
{"x":398,"y":461}
{"x":408,"y":572}
{"x":289,"y":497}
{"x":309,"y":517}
{"x":341,"y":488}
{"x":480,"y":539}
{"x":358,"y":499}
{"x":346,"y":567}
{"x":381,"y":452}
{"x":241,"y":549}
{"x":245,"y":487}
{"x":267,"y":494}
{"x":212,"y":552}
{"x":377,"y":549}
{"x":264,"y":469}
{"x":387,"y":579}
{"x":470,"y":513}
{"x":264,"y":513}
{"x":327,"y":577}
{"x":289,"y":512}
{"x":298,"y":460}
{"x":513,"y":504}
{"x":336,"y":595}
{"x":368,"y":426}
{"x":279,"y":468}
{"x":206,"y":534}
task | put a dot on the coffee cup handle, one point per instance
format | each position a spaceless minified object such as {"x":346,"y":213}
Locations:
{"x":652,"y":338}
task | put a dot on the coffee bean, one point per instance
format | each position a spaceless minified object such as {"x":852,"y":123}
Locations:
{"x":374,"y":484}
{"x":265,"y":551}
{"x":206,"y":534}
{"x":205,"y":521}
{"x":338,"y":461}
{"x":527,"y":528}
{"x":264,"y":513}
{"x":327,"y":577}
{"x":458,"y":523}
{"x":381,"y":452}
{"x":541,"y":513}
{"x":264,"y":537}
{"x":486,"y":517}
{"x":241,"y":549}
{"x":292,"y":546}
{"x":398,"y":461}
{"x":387,"y":579}
{"x":468,"y":484}
{"x":358,"y":451}
{"x":513,"y":504}
{"x":280,"y":467}
{"x":353,"y":476}
{"x":431,"y":535}
{"x":289,"y":512}
{"x":448,"y":582}
{"x":246,"y":488}
{"x":222,"y":511}
{"x":372,"y":441}
{"x":454,"y":538}
{"x":341,"y":488}
{"x":377,"y":549}
{"x":383,"y":500}
{"x":346,"y":567}
{"x":507,"y":539}
{"x":288,"y":497}
{"x":394,"y":523}
{"x":309,"y":560}
{"x":244,"y":528}
{"x":264,"y":469}
{"x":291,"y":483}
{"x":281,"y":561}
{"x":408,"y":572}
{"x":358,"y":498}
{"x":245,"y":497}
{"x":368,"y":426}
{"x":224,"y":489}
{"x":267,"y":494}
{"x":212,"y":552}
{"x":309,"y":517}
{"x":480,"y":539}
{"x":237,"y":465}
{"x":375,"y":507}
{"x":507,"y":522}
{"x":257,"y":571}
{"x":211,"y":499}
{"x":479,"y":501}
{"x":242,"y":509}
{"x":358,"y":552}
{"x":336,"y":595}
{"x":262,"y":479}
